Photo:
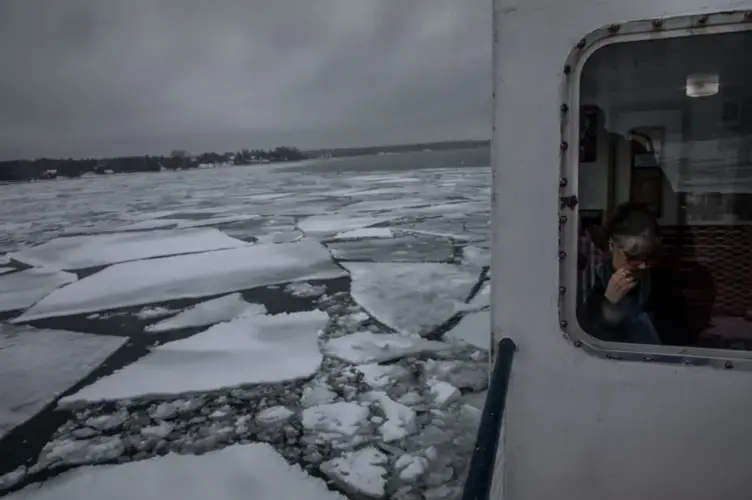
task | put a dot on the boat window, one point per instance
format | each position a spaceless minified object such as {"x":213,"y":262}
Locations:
{"x":665,"y":192}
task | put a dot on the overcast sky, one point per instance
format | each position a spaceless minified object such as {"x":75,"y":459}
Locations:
{"x":117,"y":77}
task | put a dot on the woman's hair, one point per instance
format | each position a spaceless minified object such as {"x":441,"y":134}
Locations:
{"x":634,"y":229}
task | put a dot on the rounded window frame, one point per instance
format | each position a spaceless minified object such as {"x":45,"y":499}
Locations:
{"x":641,"y":30}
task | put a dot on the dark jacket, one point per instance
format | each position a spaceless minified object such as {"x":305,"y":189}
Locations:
{"x":657,"y":296}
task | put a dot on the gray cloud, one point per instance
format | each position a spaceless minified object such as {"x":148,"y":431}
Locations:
{"x":102,"y":77}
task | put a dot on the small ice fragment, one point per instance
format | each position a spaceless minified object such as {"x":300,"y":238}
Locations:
{"x":274,"y":415}
{"x":414,"y":469}
{"x":160,"y":431}
{"x":305,"y":290}
{"x":443,"y":393}
{"x":318,"y":392}
{"x":341,"y":419}
{"x":378,"y":376}
{"x":400,"y":420}
{"x":360,"y":472}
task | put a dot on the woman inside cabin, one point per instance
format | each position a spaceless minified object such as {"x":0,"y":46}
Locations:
{"x":631,"y":300}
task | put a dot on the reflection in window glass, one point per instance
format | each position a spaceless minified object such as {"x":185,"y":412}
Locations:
{"x":665,"y":190}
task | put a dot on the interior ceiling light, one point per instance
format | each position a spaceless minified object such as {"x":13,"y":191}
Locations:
{"x":703,"y":85}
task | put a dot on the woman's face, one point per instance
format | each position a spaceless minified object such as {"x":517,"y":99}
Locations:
{"x":637,"y":262}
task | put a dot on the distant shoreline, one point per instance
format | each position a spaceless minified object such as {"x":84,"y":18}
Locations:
{"x":306,"y":156}
{"x":29,"y":170}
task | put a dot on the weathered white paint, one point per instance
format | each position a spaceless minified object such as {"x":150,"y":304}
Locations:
{"x":578,"y":426}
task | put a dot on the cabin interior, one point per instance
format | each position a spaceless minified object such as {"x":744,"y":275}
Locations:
{"x":668,"y":123}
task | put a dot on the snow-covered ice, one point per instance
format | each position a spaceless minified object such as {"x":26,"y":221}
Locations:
{"x":400,"y":420}
{"x":379,"y":376}
{"x":361,"y":472}
{"x":36,"y":366}
{"x":211,"y":273}
{"x":335,"y":420}
{"x":443,"y":392}
{"x":411,"y":467}
{"x":250,"y":472}
{"x":207,"y":313}
{"x":22,"y":289}
{"x":251,"y":349}
{"x":80,"y":252}
{"x":411,"y":297}
{"x":369,"y":347}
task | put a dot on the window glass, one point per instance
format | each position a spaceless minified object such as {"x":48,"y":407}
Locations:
{"x":665,"y":192}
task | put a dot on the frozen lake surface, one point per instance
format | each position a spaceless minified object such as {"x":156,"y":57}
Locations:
{"x":328,"y":319}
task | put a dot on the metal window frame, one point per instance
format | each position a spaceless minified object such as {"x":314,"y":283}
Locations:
{"x":649,"y":29}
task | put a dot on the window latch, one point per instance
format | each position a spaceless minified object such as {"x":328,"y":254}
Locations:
{"x":568,"y":201}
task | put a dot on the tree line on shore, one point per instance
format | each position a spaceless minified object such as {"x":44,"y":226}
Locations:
{"x":50,"y":168}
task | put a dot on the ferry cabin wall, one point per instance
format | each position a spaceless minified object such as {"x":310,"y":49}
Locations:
{"x":577,"y":425}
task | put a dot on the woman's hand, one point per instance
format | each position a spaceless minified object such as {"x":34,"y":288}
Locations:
{"x":620,"y":284}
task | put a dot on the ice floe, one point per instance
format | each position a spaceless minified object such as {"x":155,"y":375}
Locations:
{"x":80,"y":252}
{"x":251,"y":349}
{"x":368,"y":347}
{"x":364,"y":233}
{"x":411,"y":298}
{"x":188,"y":276}
{"x":22,"y":289}
{"x":401,"y":248}
{"x":474,"y":329}
{"x":207,"y":313}
{"x":325,"y":225}
{"x":36,"y":366}
{"x":251,"y":471}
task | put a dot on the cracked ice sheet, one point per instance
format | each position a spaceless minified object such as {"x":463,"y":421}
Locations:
{"x":22,"y":289}
{"x":37,"y":365}
{"x":411,"y":297}
{"x":188,"y":276}
{"x":251,"y":472}
{"x":251,"y":349}
{"x":81,"y":252}
{"x":207,"y":313}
